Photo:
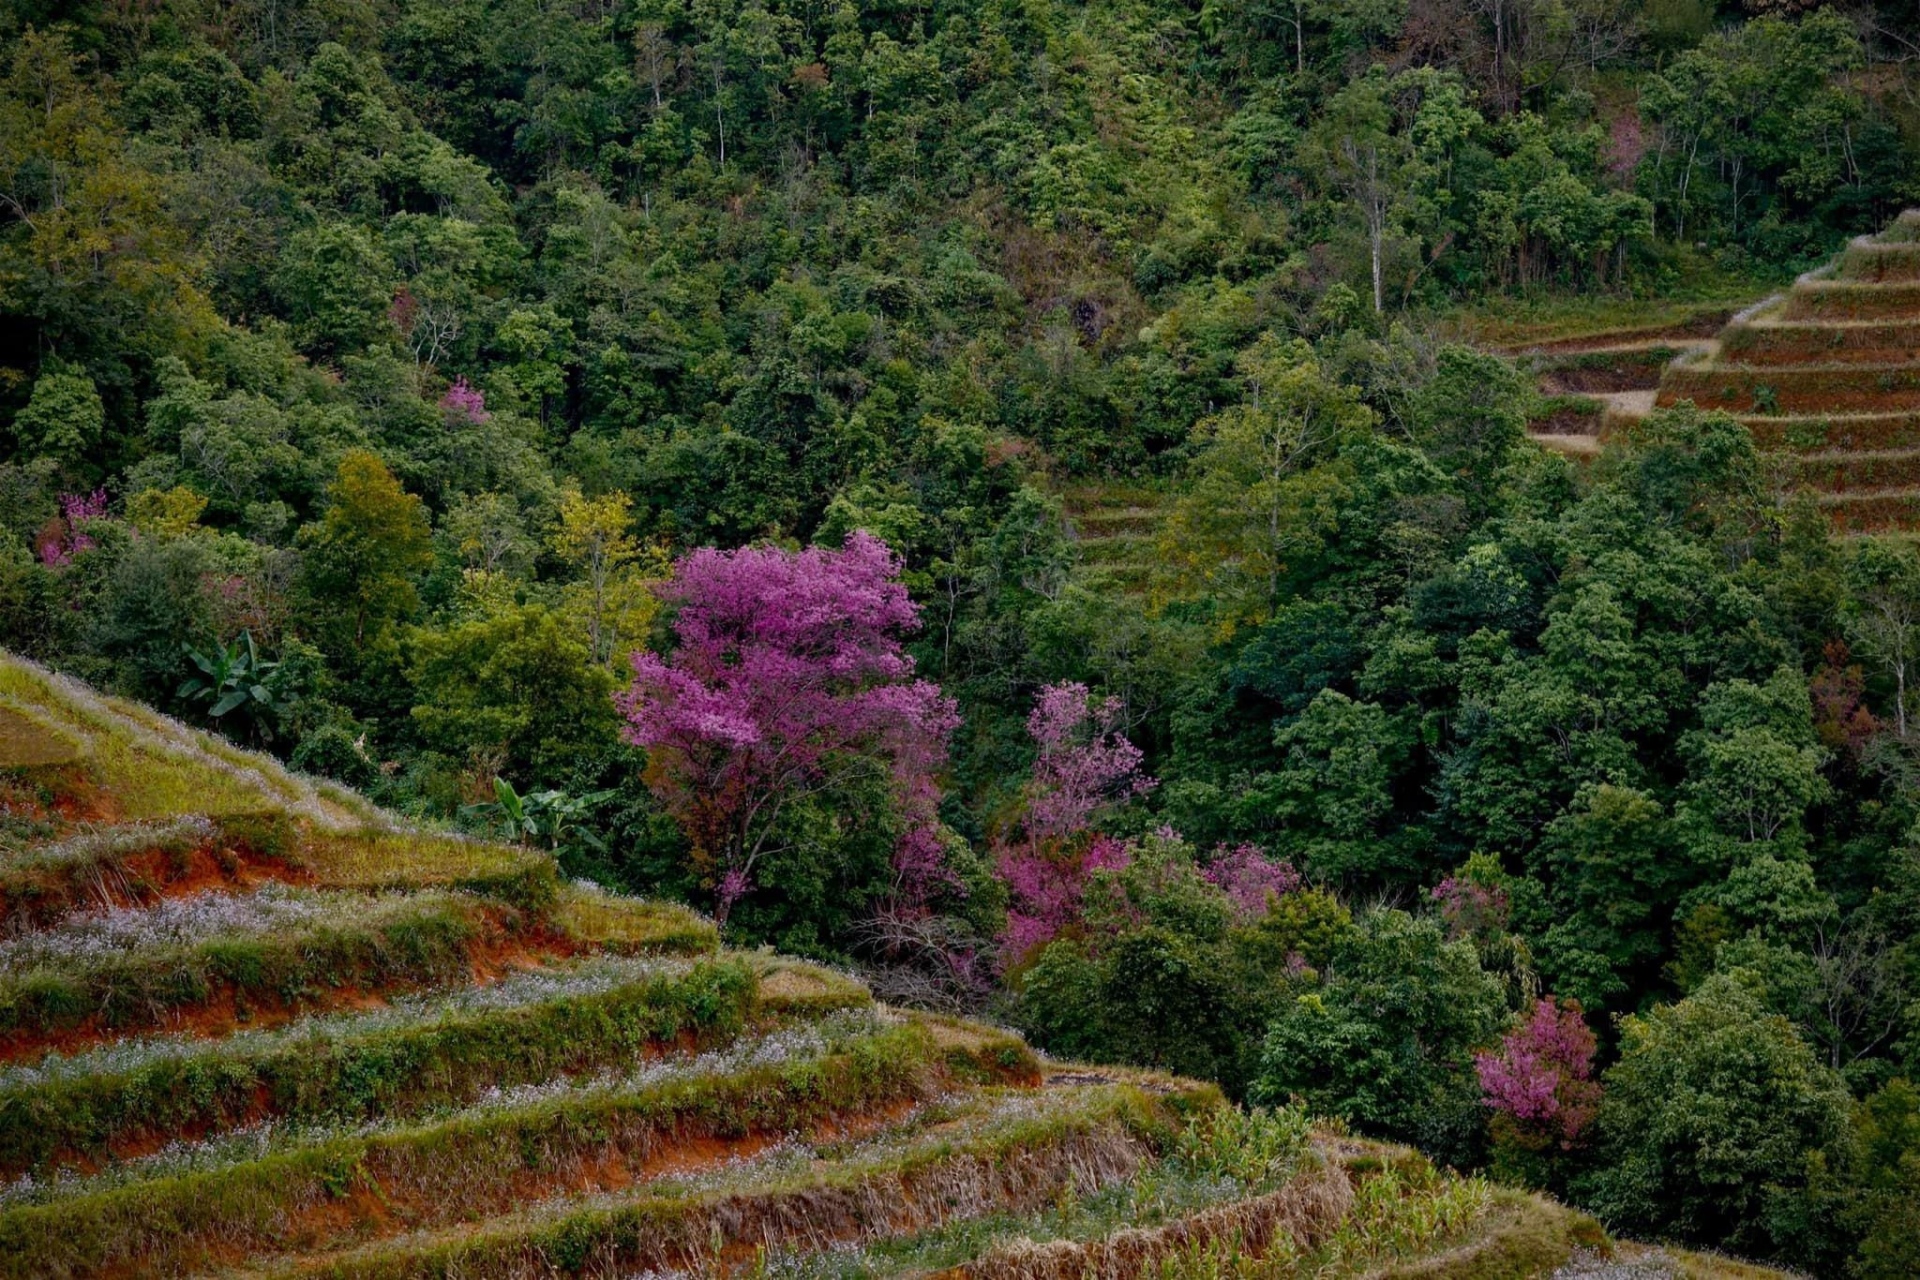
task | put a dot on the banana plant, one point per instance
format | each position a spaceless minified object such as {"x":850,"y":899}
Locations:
{"x":234,"y":678}
{"x":552,"y":817}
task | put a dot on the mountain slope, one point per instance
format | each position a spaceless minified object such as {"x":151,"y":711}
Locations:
{"x":251,"y":1025}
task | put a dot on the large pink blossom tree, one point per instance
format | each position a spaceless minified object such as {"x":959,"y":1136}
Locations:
{"x":786,"y":681}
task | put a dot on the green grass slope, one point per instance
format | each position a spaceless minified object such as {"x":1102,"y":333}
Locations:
{"x":252,"y":1026}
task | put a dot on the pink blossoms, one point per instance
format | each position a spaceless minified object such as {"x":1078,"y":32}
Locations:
{"x":788,"y":679}
{"x":1085,"y":766}
{"x":1539,"y":1081}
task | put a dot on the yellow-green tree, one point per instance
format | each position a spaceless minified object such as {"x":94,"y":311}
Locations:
{"x":612,"y":599}
{"x":360,"y":557}
{"x":1262,"y":491}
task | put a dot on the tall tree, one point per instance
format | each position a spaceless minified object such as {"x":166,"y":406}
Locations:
{"x":787,"y":681}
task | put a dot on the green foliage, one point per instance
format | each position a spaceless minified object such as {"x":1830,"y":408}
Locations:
{"x":360,"y":558}
{"x":63,"y":419}
{"x":1384,"y":1041}
{"x":513,"y":681}
{"x":411,"y":339}
{"x":1713,"y":1121}
{"x":233,"y":678}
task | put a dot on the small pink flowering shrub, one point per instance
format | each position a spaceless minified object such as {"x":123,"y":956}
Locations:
{"x":1539,"y":1081}
{"x":467,"y":401}
{"x":1471,"y":908}
{"x":65,"y":536}
{"x":1085,"y":766}
{"x":1250,"y":879}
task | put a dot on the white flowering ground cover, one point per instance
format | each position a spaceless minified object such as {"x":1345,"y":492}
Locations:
{"x":96,"y":937}
{"x":592,"y":976}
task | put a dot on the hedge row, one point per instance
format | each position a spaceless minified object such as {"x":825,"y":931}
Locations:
{"x":353,"y":1069}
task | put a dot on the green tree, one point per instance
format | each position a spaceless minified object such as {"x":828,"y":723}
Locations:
{"x":1711,"y":1121}
{"x":1386,"y":1042}
{"x":64,"y":417}
{"x":361,"y":556}
{"x":1261,"y":495}
{"x":516,"y":681}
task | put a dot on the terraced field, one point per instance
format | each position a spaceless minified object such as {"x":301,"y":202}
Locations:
{"x":1113,"y":526}
{"x":1828,"y":375}
{"x":251,"y":1026}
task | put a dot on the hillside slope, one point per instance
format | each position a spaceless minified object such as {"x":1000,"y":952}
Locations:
{"x":251,"y":1025}
{"x":1828,"y":374}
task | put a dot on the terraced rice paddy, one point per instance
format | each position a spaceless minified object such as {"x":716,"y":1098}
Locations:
{"x":280,"y":1034}
{"x":1828,"y":375}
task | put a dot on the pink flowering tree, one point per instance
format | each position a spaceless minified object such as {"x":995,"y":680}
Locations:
{"x":1472,"y":902}
{"x":1085,"y":766}
{"x":66,"y":535}
{"x":1250,"y":879}
{"x":1539,"y":1081}
{"x":465,"y":400}
{"x":787,"y":680}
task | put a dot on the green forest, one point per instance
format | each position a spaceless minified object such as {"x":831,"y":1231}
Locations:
{"x":1005,"y":496}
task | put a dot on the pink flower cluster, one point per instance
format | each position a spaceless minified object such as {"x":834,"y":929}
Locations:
{"x":1085,"y":766}
{"x":1250,"y":879}
{"x":1541,"y":1075}
{"x":1085,"y":763}
{"x":1049,"y":891}
{"x":788,"y":678}
{"x":467,"y":401}
{"x":65,"y":537}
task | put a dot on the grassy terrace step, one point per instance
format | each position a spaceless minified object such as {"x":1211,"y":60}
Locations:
{"x":443,"y":1051}
{"x":1130,"y":1230}
{"x":222,"y":957}
{"x":140,"y":862}
{"x":1873,"y":512}
{"x":1795,"y":391}
{"x":1011,"y":1152}
{"x":1848,"y":300}
{"x":1787,"y":344}
{"x":1586,"y":373}
{"x":1844,"y":472}
{"x":484,"y":1163}
{"x":1904,"y":229}
{"x":136,"y":763}
{"x":631,"y":926}
{"x":1370,"y":1221}
{"x":1874,"y":261}
{"x":1871,"y":432}
{"x":137,"y":863}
